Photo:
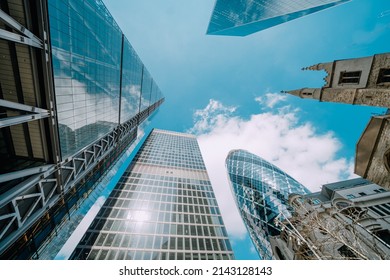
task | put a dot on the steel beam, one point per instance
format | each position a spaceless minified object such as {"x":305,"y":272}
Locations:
{"x":9,"y":121}
{"x":23,"y":173}
{"x":21,"y":107}
{"x":24,"y":204}
{"x":28,"y":39}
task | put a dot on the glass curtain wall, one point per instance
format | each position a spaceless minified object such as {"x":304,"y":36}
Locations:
{"x":261,"y":193}
{"x":163,"y":207}
{"x":241,"y":18}
{"x":87,"y":56}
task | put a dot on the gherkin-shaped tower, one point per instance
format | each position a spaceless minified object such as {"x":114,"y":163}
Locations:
{"x":261,"y":193}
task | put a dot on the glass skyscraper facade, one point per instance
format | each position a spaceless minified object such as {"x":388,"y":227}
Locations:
{"x":99,"y":79}
{"x":244,"y":17}
{"x":162,"y":208}
{"x":261,"y":193}
{"x":74,"y":93}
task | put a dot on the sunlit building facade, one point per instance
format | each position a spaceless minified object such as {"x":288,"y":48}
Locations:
{"x":163,"y":208}
{"x":73,"y":94}
{"x":261,"y":193}
{"x":241,"y":18}
{"x":346,"y":220}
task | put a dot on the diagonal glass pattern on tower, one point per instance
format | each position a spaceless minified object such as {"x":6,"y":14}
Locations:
{"x":261,"y":193}
{"x":163,"y":207}
{"x":244,"y":17}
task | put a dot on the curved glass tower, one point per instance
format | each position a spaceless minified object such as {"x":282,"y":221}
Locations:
{"x":261,"y":193}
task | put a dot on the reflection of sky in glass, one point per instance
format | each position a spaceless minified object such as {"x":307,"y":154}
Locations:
{"x":244,"y":17}
{"x":261,"y":192}
{"x":160,"y":210}
{"x":97,"y":199}
{"x":86,"y":54}
{"x":86,"y":45}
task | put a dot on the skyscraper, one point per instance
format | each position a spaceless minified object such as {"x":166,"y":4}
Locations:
{"x":244,"y":17}
{"x":162,"y":208}
{"x":261,"y":193}
{"x":72,"y":95}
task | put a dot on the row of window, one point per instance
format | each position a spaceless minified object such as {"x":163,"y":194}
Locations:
{"x":171,"y":163}
{"x":129,"y":175}
{"x":125,"y":214}
{"x":158,"y":206}
{"x":164,"y":194}
{"x":352,"y":196}
{"x":353,"y":77}
{"x":163,"y":187}
{"x":381,"y":210}
{"x":157,"y":242}
{"x":143,"y":227}
{"x":114,"y":254}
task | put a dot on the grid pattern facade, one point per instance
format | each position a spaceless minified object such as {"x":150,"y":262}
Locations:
{"x":261,"y":193}
{"x":99,"y":79}
{"x":241,"y":18}
{"x":163,"y":208}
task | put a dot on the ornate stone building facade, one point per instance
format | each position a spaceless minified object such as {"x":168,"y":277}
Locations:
{"x":358,"y":81}
{"x":361,"y":81}
{"x":346,"y":220}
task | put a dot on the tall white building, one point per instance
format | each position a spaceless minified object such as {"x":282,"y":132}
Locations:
{"x":163,"y":208}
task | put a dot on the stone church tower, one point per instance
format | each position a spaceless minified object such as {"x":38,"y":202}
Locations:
{"x":363,"y":81}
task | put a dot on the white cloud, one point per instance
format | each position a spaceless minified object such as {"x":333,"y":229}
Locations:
{"x":271,"y":99}
{"x":298,"y":149}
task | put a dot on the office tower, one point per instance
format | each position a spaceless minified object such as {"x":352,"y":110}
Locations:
{"x":73,"y":93}
{"x":345,"y":220}
{"x":162,"y":208}
{"x":261,"y":193}
{"x":361,"y":81}
{"x":244,"y":17}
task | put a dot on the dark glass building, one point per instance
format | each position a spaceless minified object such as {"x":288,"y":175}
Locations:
{"x":244,"y":17}
{"x":261,"y":193}
{"x":72,"y":94}
{"x":163,"y":208}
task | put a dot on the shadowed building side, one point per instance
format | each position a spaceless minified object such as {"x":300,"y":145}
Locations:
{"x":372,"y":159}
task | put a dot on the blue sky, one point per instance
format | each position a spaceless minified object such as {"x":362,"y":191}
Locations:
{"x":227,"y":89}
